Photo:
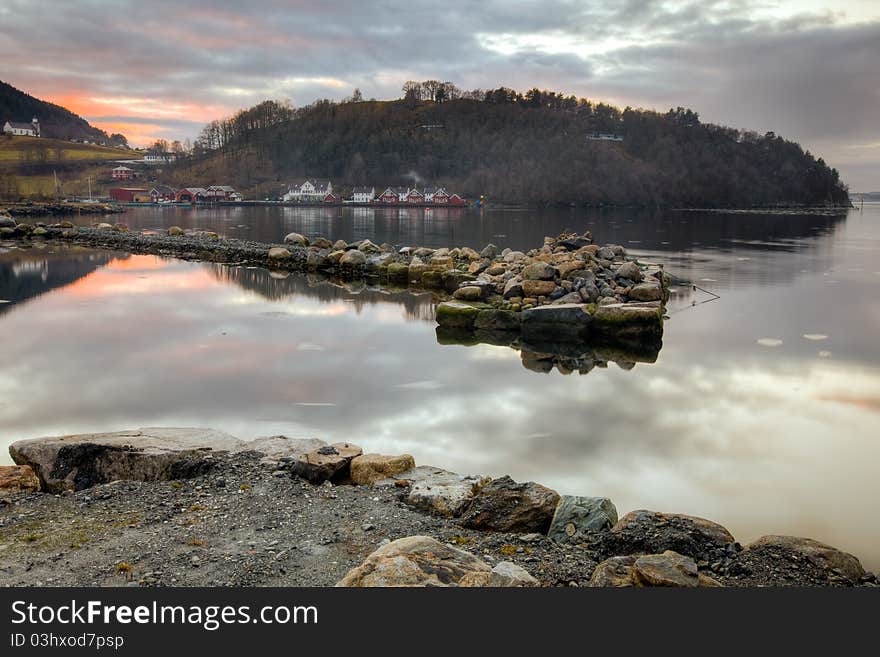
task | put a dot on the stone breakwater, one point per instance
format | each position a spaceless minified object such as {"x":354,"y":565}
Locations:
{"x":58,"y":209}
{"x":568,"y":290}
{"x":168,"y":506}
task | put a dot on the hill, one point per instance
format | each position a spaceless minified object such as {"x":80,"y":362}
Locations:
{"x":56,"y":122}
{"x":541,"y":147}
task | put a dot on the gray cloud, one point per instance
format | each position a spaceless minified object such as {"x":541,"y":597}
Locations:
{"x":810,"y":76}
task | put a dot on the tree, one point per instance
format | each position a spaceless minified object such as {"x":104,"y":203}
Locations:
{"x":429,"y":89}
{"x":357,"y":96}
{"x":412,"y":90}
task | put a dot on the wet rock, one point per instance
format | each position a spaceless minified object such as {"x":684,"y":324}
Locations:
{"x":80,"y":461}
{"x":279,"y":253}
{"x":614,"y":572}
{"x":506,"y":506}
{"x":370,"y":468}
{"x":618,"y":319}
{"x":18,"y":478}
{"x":532,"y":288}
{"x":667,"y":569}
{"x":453,"y":278}
{"x":39,"y":231}
{"x":653,"y":532}
{"x":629,"y":271}
{"x":565,"y":321}
{"x":827,"y":558}
{"x":539,"y":271}
{"x":415,"y":561}
{"x":574,"y":243}
{"x":398,"y":272}
{"x":6,"y":221}
{"x":328,"y":463}
{"x":646,"y":292}
{"x":457,"y":315}
{"x":489,"y":251}
{"x":176,"y":231}
{"x":468,"y":293}
{"x":579,"y":519}
{"x":497,"y":320}
{"x":353,"y":258}
{"x":297,"y":239}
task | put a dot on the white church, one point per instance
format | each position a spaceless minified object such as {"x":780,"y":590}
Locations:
{"x":31,"y":129}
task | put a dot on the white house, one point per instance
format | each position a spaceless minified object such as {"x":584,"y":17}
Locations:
{"x":436,"y":195}
{"x":159,"y":158}
{"x":310,"y":190}
{"x":363,"y":194}
{"x":31,"y":129}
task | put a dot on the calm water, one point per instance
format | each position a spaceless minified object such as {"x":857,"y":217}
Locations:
{"x":761,"y":411}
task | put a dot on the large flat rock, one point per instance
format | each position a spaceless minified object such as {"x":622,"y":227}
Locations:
{"x":80,"y":461}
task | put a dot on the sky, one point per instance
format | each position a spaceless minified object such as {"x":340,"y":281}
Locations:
{"x":808,"y":70}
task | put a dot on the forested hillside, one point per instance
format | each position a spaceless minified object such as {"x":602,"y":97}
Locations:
{"x":539,"y":147}
{"x":56,"y":122}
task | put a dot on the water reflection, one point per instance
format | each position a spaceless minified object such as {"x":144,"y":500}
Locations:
{"x":765,"y":440}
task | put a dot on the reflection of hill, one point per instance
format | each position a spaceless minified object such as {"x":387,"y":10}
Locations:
{"x":28,"y":274}
{"x":274,"y":286}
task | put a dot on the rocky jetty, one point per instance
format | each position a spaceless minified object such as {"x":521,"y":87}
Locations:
{"x":200,"y":507}
{"x":58,"y":209}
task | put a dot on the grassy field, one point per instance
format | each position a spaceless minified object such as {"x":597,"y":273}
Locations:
{"x":36,"y":149}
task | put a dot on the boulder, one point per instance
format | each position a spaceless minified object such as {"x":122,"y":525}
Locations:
{"x":536,"y":289}
{"x":667,"y":569}
{"x":629,"y":271}
{"x":340,"y":245}
{"x":469,"y":254}
{"x":152,"y":454}
{"x":353,"y":258}
{"x":646,"y":292}
{"x":478,"y":266}
{"x":437,"y":491}
{"x":614,"y":572}
{"x":175,"y":231}
{"x":368,"y":247}
{"x":321,"y":243}
{"x":415,"y":561}
{"x":514,"y":256}
{"x":280,"y":448}
{"x":120,"y":228}
{"x":580,"y":518}
{"x":6,"y":221}
{"x":506,"y":506}
{"x":554,"y":322}
{"x":457,"y":315}
{"x":539,"y":271}
{"x":497,"y":320}
{"x":104,"y":226}
{"x":825,"y":557}
{"x":279,"y":253}
{"x":574,"y":243}
{"x":489,"y":251}
{"x":504,"y":574}
{"x":18,"y":478}
{"x":468,"y":293}
{"x":398,"y":272}
{"x":652,"y":532}
{"x":453,"y":278}
{"x":370,"y":468}
{"x":496,"y":270}
{"x":39,"y":231}
{"x":513,"y":288}
{"x":296,"y":238}
{"x":605,"y":253}
{"x":620,"y":318}
{"x":327,"y":463}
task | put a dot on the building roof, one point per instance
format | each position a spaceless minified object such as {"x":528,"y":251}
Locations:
{"x":122,"y":168}
{"x":435,"y":190}
{"x":194,"y":190}
{"x":20,"y":126}
{"x":397,"y":190}
{"x":363,"y":190}
{"x":164,"y":189}
{"x":221,"y":188}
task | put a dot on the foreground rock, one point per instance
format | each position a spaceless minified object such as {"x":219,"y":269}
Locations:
{"x":370,"y":468}
{"x":436,"y":491}
{"x":667,"y":569}
{"x":654,"y":532}
{"x":79,"y":461}
{"x":327,"y":463}
{"x":416,"y":561}
{"x":582,"y":518}
{"x":18,"y":479}
{"x":503,"y":505}
{"x":835,"y":563}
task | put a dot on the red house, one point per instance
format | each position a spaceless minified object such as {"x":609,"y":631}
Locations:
{"x":390,"y":195}
{"x":455,"y":199}
{"x":191,"y":195}
{"x":122,"y":173}
{"x":128,"y":194}
{"x":415,"y":196}
{"x":331,"y":198}
{"x":436,"y":195}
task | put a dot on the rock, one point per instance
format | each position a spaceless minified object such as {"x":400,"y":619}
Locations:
{"x":153,"y":454}
{"x":437,"y":491}
{"x":340,"y":245}
{"x":489,"y":251}
{"x":504,"y":574}
{"x":590,"y":293}
{"x":327,"y":463}
{"x":496,"y":270}
{"x":580,"y":518}
{"x":469,"y":253}
{"x":652,"y":532}
{"x":629,"y":271}
{"x":104,"y":226}
{"x":296,"y":238}
{"x":468,"y":293}
{"x":321,"y":243}
{"x":605,"y":253}
{"x":575,"y":243}
{"x":279,"y":253}
{"x":532,"y":288}
{"x":614,"y":572}
{"x":478,"y":266}
{"x":453,"y":278}
{"x":565,"y":321}
{"x":18,"y":478}
{"x":824,"y":556}
{"x":175,"y":231}
{"x":667,"y":569}
{"x":370,"y":468}
{"x":353,"y":258}
{"x":539,"y":271}
{"x":497,"y":320}
{"x":619,"y":318}
{"x":506,"y":506}
{"x":514,"y":256}
{"x":398,"y":272}
{"x":457,"y":315}
{"x":570,"y":298}
{"x":368,"y":247}
{"x":39,"y":231}
{"x":120,"y":228}
{"x":646,"y":292}
{"x":513,"y":288}
{"x":9,"y":232}
{"x":423,"y":252}
{"x":6,"y":221}
{"x":278,"y":448}
{"x":415,"y":561}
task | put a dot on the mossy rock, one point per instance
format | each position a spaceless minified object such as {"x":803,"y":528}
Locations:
{"x":459,"y":315}
{"x":432,"y":280}
{"x":497,"y":320}
{"x":398,"y":272}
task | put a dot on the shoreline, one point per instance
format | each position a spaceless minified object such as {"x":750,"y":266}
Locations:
{"x":196,"y":507}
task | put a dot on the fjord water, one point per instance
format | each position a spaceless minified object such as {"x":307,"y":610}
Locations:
{"x":761,"y":412}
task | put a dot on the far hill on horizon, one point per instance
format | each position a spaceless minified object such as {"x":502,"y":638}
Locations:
{"x":56,"y":122}
{"x":541,"y":147}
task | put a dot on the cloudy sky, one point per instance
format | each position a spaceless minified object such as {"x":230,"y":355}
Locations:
{"x":806,"y":69}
